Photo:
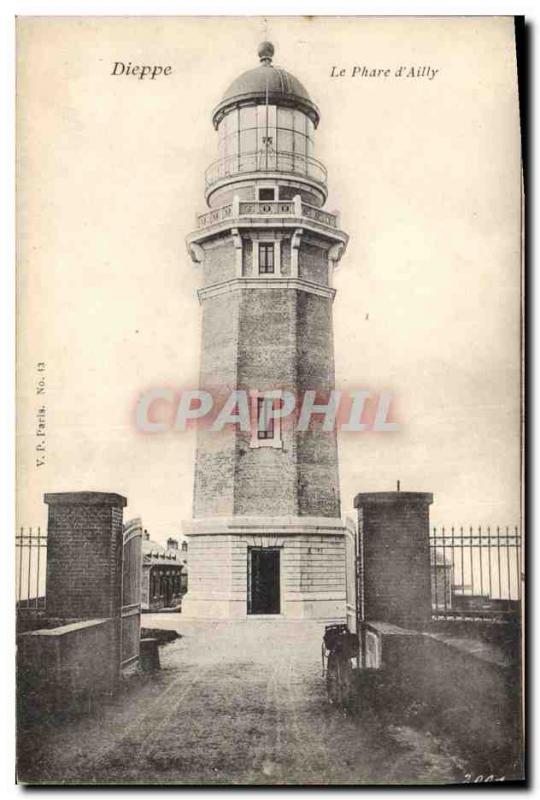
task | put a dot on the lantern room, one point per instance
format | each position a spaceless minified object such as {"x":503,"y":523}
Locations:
{"x":266,"y":124}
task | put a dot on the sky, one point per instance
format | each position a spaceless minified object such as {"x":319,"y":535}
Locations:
{"x":425,"y":174}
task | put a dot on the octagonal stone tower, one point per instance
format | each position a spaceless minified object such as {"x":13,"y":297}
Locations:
{"x":266,"y":535}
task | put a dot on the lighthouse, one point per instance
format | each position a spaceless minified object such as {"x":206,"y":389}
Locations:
{"x":266,"y":536}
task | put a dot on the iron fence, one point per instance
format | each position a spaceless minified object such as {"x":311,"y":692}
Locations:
{"x":31,"y":563}
{"x":475,"y":572}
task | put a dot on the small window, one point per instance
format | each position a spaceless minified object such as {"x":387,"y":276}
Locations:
{"x":267,"y":194}
{"x":266,"y":258}
{"x":265,"y":420}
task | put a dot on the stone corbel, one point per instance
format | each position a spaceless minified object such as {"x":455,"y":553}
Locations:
{"x":237,"y":241}
{"x":196,"y":252}
{"x":334,"y":255}
{"x":295,"y":247}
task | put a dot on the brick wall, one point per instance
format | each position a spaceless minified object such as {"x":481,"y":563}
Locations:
{"x":215,"y":456}
{"x":218,"y":263}
{"x":84,"y":554}
{"x":247,"y":256}
{"x":313,"y":263}
{"x":267,"y":339}
{"x":267,"y":335}
{"x":394,"y":528}
{"x":317,"y":458}
{"x":286,"y":256}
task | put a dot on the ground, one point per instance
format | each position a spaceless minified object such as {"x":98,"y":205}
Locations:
{"x":240,"y":702}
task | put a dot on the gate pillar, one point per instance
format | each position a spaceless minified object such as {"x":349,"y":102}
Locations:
{"x":84,"y":554}
{"x":393,"y":528}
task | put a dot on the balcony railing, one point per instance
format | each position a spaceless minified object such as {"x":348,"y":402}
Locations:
{"x":262,"y":161}
{"x":264,"y":208}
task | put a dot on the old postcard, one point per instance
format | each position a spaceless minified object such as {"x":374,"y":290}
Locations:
{"x":269,"y":313}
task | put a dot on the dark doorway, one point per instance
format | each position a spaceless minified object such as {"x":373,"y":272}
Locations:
{"x":263,"y":580}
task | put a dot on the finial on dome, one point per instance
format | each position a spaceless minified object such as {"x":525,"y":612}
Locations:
{"x":265,"y":52}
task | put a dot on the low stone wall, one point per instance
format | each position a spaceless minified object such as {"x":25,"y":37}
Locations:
{"x":61,"y":670}
{"x":465,"y":687}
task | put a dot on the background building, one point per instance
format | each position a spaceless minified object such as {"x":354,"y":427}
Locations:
{"x":164,"y":573}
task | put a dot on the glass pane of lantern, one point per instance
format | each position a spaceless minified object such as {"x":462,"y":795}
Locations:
{"x":248,"y":117}
{"x":248,"y":141}
{"x":285,"y":141}
{"x":232,"y":144}
{"x":266,"y":124}
{"x":300,"y":144}
{"x":300,"y":121}
{"x":285,"y":118}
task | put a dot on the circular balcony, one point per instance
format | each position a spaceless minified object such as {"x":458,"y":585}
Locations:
{"x":230,"y":167}
{"x":254,"y":209}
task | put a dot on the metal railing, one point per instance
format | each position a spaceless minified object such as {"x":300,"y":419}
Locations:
{"x":267,"y":208}
{"x":266,"y":161}
{"x":475,"y":572}
{"x":30,"y":575}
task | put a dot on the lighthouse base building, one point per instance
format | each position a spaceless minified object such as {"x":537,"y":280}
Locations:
{"x":266,"y":535}
{"x":293,"y":568}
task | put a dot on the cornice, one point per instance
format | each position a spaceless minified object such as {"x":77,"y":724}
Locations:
{"x":281,"y":282}
{"x":266,"y":223}
{"x":280,"y":526}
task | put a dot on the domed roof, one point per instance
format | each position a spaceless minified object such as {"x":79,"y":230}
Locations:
{"x":256,"y":84}
{"x":255,"y":80}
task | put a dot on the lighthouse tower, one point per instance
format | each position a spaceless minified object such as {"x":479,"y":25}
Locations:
{"x":266,"y":535}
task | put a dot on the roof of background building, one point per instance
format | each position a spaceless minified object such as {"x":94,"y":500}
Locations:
{"x":155,"y":553}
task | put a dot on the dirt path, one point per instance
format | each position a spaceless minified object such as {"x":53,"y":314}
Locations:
{"x":235,"y":702}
